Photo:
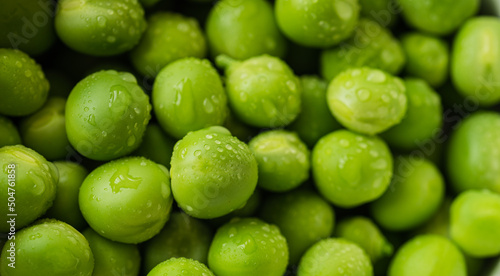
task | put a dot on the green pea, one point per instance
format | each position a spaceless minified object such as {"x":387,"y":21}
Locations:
{"x":277,"y":105}
{"x":282,"y":158}
{"x":315,"y":119}
{"x":127,"y":200}
{"x":303,"y":218}
{"x":423,"y":118}
{"x":28,"y":185}
{"x":48,"y":247}
{"x":473,"y":153}
{"x":385,"y":12}
{"x":371,"y":45}
{"x":439,"y":17}
{"x":22,"y":82}
{"x":112,"y":258}
{"x":213,"y":173}
{"x":10,"y":135}
{"x":246,"y":247}
{"x":243,"y":29}
{"x":321,"y":23}
{"x":475,"y":61}
{"x":100,"y":27}
{"x":335,"y":257}
{"x":428,"y":255}
{"x":169,"y":37}
{"x":350,"y":169}
{"x":180,"y":267}
{"x":367,"y":100}
{"x":106,"y":115}
{"x":156,"y":146}
{"x":188,"y":95}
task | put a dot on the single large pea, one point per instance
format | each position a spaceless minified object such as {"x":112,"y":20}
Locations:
{"x":188,"y":95}
{"x":180,"y":267}
{"x":243,"y":29}
{"x":423,"y":118}
{"x":100,"y":27}
{"x":106,"y":115}
{"x":28,"y":185}
{"x":428,"y":255}
{"x":473,"y":159}
{"x":283,"y":160}
{"x":156,"y":145}
{"x":475,"y":223}
{"x":262,"y":91}
{"x":303,"y":218}
{"x":247,"y":247}
{"x":10,"y":135}
{"x":112,"y":258}
{"x":335,"y":257}
{"x":48,"y":247}
{"x":475,"y":61}
{"x":367,"y":100}
{"x":213,"y":173}
{"x":127,"y":200}
{"x":22,"y":82}
{"x":351,"y":169}
{"x":317,"y":23}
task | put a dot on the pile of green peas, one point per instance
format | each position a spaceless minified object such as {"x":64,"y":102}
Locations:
{"x":250,"y":137}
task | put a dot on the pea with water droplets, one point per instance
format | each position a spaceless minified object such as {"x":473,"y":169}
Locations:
{"x":180,"y":267}
{"x":10,"y":135}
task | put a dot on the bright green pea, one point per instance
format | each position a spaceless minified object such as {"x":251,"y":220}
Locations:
{"x":10,"y":135}
{"x":127,"y":200}
{"x":302,"y":216}
{"x":371,"y":45}
{"x":315,"y":119}
{"x":32,"y":185}
{"x":475,"y":61}
{"x":188,"y":95}
{"x":246,"y":247}
{"x":428,"y":255}
{"x":213,"y":173}
{"x":385,"y":12}
{"x":112,"y":258}
{"x":262,"y":91}
{"x":423,"y":118}
{"x":317,"y":23}
{"x":335,"y":257}
{"x":169,"y":37}
{"x":180,"y":267}
{"x":367,"y":100}
{"x":351,"y":169}
{"x":106,"y":115}
{"x":156,"y":146}
{"x":100,"y":27}
{"x":49,"y":247}
{"x":22,"y":82}
{"x":243,"y":29}
{"x":283,"y":160}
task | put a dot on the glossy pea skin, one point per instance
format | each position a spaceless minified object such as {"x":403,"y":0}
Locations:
{"x":371,"y":45}
{"x":156,"y":145}
{"x":127,"y":200}
{"x":169,"y":37}
{"x":34,"y":183}
{"x":10,"y":135}
{"x":180,"y":267}
{"x":367,"y":100}
{"x":350,"y":169}
{"x":112,"y":258}
{"x":475,"y":60}
{"x":100,"y":27}
{"x":473,"y":153}
{"x":49,"y":247}
{"x":283,"y":160}
{"x":244,"y":29}
{"x":335,"y":257}
{"x":182,"y":236}
{"x":106,"y":115}
{"x":25,"y":88}
{"x":320,"y":23}
{"x":428,"y":255}
{"x":213,"y":173}
{"x":262,"y":91}
{"x":188,"y":95}
{"x":247,"y":247}
{"x":303,"y":218}
{"x":423,"y":118}
{"x":475,"y":223}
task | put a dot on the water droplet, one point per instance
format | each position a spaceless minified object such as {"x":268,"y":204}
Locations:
{"x":28,"y":73}
{"x":91,"y":119}
{"x":344,"y":143}
{"x":121,"y":179}
{"x":376,"y":77}
{"x":380,"y":164}
{"x":363,"y":95}
{"x":197,"y":153}
{"x":291,"y":85}
{"x":232,"y":232}
{"x":111,"y":39}
{"x":131,"y":141}
{"x":208,"y":106}
{"x":101,"y":21}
